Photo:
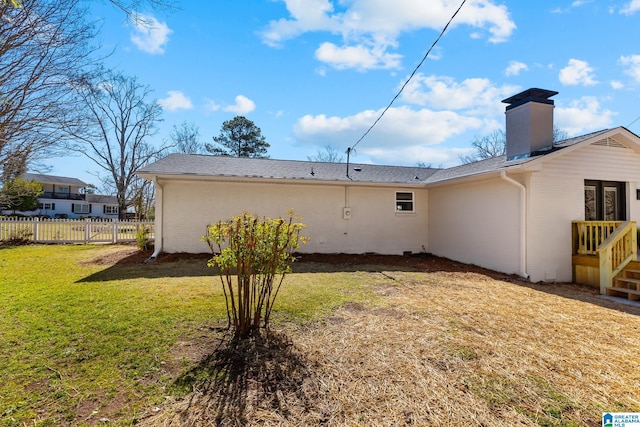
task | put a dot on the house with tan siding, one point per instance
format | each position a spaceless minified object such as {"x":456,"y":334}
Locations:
{"x":534,"y":212}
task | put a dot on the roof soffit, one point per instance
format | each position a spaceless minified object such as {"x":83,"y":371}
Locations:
{"x":266,"y":180}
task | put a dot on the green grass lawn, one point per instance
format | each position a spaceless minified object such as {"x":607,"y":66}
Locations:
{"x":79,"y":339}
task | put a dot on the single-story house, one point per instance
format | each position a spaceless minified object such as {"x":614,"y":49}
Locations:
{"x":66,"y":197}
{"x":513,"y":213}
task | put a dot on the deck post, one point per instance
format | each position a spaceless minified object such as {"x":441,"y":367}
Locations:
{"x":605,"y":270}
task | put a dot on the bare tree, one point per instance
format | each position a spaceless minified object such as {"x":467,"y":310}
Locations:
{"x":486,"y":147}
{"x":495,"y":144}
{"x":44,"y":50}
{"x":115,"y":131}
{"x":131,"y":7}
{"x":329,"y":154}
{"x":559,"y":135}
{"x":143,"y":194}
{"x":186,"y":138}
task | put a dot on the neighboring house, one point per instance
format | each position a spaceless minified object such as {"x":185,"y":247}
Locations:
{"x":512,"y":213}
{"x":65,"y":197}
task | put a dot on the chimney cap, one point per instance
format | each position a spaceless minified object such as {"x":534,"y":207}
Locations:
{"x":530,"y":95}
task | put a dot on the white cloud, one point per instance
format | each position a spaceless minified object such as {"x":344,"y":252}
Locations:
{"x":175,"y":101}
{"x":400,"y":129}
{"x":406,"y":135}
{"x":583,"y":115}
{"x":515,"y":67}
{"x":630,"y":8}
{"x":574,"y":4}
{"x":440,"y":92}
{"x":632,"y":66}
{"x":430,"y":155}
{"x":308,"y":15}
{"x":370,"y":29}
{"x":577,"y":72}
{"x":243,"y":105}
{"x":151,"y":35}
{"x":211,"y":105}
{"x":359,"y":57}
{"x":617,"y":85}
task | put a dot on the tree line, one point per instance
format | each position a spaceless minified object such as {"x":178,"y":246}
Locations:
{"x":57,"y":98}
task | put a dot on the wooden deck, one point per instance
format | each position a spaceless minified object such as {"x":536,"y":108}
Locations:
{"x":605,"y":256}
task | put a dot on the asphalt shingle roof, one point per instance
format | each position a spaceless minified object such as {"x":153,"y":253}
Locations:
{"x":99,"y":198}
{"x":223,"y":166}
{"x":495,"y":164}
{"x":52,"y":179}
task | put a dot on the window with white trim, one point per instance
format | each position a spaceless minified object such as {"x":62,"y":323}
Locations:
{"x":404,"y":201}
{"x":111,"y":210}
{"x":47,"y":206}
{"x":81,"y":208}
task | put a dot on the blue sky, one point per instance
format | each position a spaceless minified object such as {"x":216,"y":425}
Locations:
{"x":312,"y":73}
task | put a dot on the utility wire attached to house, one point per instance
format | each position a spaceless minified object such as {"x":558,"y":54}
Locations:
{"x":350,"y":149}
{"x":636,"y":119}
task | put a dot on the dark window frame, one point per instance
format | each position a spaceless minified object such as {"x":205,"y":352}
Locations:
{"x":600,"y":189}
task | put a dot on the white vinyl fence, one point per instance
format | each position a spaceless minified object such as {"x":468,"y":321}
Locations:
{"x":73,"y":230}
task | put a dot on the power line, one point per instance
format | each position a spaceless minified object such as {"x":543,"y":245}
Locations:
{"x":637,"y":118}
{"x":408,"y":80}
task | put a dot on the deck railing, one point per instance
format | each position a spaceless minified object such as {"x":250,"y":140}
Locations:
{"x":59,"y":195}
{"x":72,"y":230}
{"x":614,"y":242}
{"x":589,"y":235}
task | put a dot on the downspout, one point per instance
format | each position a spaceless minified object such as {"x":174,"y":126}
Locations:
{"x":157,"y":241}
{"x":523,"y":222}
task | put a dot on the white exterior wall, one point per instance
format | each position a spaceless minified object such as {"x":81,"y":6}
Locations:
{"x":189,"y":205}
{"x":477,"y":223}
{"x":556,"y":197}
{"x":65,"y":207}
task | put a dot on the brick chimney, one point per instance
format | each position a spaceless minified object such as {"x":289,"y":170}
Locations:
{"x":529,"y":117}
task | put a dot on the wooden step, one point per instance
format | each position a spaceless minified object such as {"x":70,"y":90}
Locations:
{"x":629,"y":280}
{"x":632,"y":294}
{"x":631,"y":270}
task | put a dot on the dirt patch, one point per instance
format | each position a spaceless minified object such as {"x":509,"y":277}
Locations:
{"x":419,"y":262}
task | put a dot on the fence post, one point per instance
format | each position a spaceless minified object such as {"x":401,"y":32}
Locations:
{"x":36,"y":229}
{"x":114,"y":231}
{"x":87,"y":231}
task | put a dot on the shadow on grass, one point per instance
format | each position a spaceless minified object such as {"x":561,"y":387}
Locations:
{"x":429,"y":263}
{"x":135,"y":266}
{"x":195,"y":265}
{"x":585,"y":294}
{"x":264,"y":373}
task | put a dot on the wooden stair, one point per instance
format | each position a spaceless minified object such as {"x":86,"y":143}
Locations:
{"x":626,"y":284}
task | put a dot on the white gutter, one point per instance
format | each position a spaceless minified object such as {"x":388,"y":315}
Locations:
{"x":523,"y":222}
{"x":157,"y":241}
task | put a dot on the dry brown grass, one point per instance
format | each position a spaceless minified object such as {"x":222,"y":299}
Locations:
{"x":439,"y":348}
